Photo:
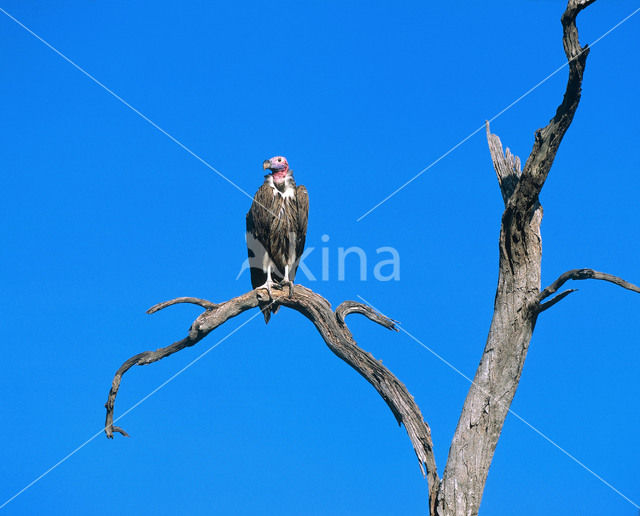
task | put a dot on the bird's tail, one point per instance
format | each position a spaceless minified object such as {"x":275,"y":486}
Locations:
{"x":268,"y":308}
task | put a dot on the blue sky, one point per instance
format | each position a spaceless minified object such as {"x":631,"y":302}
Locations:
{"x":103,"y":216}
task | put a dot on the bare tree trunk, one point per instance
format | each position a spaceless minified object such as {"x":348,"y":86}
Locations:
{"x":498,"y":374}
{"x":517,"y":297}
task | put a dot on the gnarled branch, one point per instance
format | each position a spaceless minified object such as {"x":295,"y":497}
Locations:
{"x":336,"y":334}
{"x":353,"y":307}
{"x":548,"y":139}
{"x":579,"y":274}
{"x":207,"y":305}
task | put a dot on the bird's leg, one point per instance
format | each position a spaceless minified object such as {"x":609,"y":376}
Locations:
{"x":287,"y":281}
{"x":269,"y":283}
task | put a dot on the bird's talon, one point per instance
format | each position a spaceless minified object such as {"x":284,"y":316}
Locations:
{"x":267,"y":286}
{"x":289,"y":284}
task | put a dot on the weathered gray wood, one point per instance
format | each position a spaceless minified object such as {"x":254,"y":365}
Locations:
{"x":336,"y":334}
{"x":517,"y":301}
{"x":506,"y":165}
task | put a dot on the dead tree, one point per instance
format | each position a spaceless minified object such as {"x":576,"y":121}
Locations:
{"x":518,"y":303}
{"x":519,"y":299}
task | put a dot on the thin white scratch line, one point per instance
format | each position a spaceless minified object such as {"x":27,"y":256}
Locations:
{"x":500,"y":113}
{"x":136,"y":111}
{"x":548,"y":439}
{"x":170,"y":379}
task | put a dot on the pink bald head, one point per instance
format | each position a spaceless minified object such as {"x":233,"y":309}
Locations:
{"x":278,"y":166}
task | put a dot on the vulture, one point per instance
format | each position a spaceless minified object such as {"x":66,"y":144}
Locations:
{"x":276,"y":230}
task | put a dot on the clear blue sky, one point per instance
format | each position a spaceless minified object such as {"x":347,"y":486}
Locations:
{"x":103,"y":216}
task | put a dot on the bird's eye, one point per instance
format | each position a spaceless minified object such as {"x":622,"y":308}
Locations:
{"x":279,"y":160}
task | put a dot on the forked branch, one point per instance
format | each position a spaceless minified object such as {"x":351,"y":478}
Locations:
{"x":331,"y":326}
{"x":548,"y":139}
{"x":579,"y":274}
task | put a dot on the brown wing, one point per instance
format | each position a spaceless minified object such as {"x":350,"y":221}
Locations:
{"x":302,"y":201}
{"x":258,"y":228}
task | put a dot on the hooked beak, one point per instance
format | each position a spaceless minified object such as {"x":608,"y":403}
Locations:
{"x":266,"y":164}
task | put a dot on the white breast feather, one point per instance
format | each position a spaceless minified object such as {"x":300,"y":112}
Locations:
{"x":289,"y":191}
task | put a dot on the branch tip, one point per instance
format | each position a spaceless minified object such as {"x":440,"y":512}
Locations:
{"x":545,"y":306}
{"x":117,"y":429}
{"x":207,"y":305}
{"x":353,"y":307}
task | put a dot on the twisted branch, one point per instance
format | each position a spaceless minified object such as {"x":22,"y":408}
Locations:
{"x":331,"y":326}
{"x":353,"y":307}
{"x":548,"y":139}
{"x":578,"y":274}
{"x":207,"y":305}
